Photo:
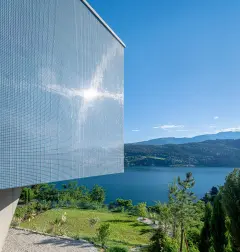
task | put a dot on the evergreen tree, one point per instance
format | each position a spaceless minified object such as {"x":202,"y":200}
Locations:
{"x":205,"y":237}
{"x":163,"y":215}
{"x":231,"y":202}
{"x":181,"y":200}
{"x":157,"y":240}
{"x":25,"y":195}
{"x":210,"y":196}
{"x":218,"y":226}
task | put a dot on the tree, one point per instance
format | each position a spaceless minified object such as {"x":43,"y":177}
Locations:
{"x":231,"y":203}
{"x":163,"y":215}
{"x":27,"y":195}
{"x":127,"y":204}
{"x":103,"y":233}
{"x":47,"y":192}
{"x":205,"y":237}
{"x":24,"y":195}
{"x":210,"y":196}
{"x":229,"y":247}
{"x":181,"y":200}
{"x":141,"y":209}
{"x":218,"y":226}
{"x":158,"y":240}
{"x":97,"y":194}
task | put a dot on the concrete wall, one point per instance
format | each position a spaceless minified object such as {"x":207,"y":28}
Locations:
{"x":8,"y":203}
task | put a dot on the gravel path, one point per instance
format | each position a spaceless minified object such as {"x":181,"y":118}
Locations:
{"x":25,"y":241}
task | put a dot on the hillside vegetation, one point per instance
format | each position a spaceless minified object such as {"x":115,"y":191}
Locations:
{"x":208,"y":153}
{"x":183,"y":224}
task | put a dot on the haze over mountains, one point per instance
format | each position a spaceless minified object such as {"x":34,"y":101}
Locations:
{"x":196,"y":139}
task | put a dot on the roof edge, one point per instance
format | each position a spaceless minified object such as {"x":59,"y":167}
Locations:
{"x":102,"y":22}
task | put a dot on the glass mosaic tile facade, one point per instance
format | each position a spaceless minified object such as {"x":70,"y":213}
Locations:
{"x":61,"y":93}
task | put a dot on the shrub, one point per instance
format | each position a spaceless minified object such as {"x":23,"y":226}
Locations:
{"x":103,"y":233}
{"x":15,"y":222}
{"x":57,"y":226}
{"x":54,"y":204}
{"x":43,"y":205}
{"x":120,"y":205}
{"x":26,"y":212}
{"x":63,"y":203}
{"x":119,"y":209}
{"x":72,"y":203}
{"x":127,"y":204}
{"x":89,"y":205}
{"x":93,"y":221}
{"x":20,"y":212}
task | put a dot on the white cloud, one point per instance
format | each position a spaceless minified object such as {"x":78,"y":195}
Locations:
{"x":236,"y":129}
{"x":216,"y":117}
{"x":135,"y":130}
{"x":212,"y":126}
{"x":182,"y":130}
{"x":170,"y":126}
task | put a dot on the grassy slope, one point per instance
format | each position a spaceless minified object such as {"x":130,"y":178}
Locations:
{"x":125,"y":230}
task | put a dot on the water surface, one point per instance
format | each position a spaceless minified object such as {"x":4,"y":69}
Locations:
{"x":149,"y":184}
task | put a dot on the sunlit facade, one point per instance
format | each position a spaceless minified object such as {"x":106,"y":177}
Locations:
{"x":61,"y":99}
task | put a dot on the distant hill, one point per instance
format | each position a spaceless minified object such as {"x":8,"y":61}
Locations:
{"x":196,"y":139}
{"x":218,"y":153}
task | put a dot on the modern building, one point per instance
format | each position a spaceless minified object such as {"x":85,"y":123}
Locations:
{"x":61,"y":96}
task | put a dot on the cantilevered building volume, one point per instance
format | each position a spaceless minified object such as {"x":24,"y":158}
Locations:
{"x":61,"y":96}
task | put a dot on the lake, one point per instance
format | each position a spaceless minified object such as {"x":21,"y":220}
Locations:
{"x":149,"y":184}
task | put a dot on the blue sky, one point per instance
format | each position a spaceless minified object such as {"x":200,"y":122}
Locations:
{"x":182,"y":65}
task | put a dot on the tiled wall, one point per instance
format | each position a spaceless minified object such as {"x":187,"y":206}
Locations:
{"x":61,"y":93}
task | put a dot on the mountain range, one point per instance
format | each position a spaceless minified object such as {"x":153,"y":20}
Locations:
{"x":196,"y":151}
{"x":196,"y":139}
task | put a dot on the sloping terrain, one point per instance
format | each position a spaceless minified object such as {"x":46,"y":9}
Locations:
{"x":208,"y":153}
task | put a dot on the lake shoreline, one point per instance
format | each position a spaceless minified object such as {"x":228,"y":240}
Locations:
{"x":150,"y":183}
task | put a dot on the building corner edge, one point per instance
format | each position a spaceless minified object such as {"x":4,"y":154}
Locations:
{"x":8,"y":203}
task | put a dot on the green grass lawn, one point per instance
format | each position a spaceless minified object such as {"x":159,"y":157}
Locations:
{"x":125,"y":229}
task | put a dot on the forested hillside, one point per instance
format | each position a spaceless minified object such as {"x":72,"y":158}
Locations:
{"x":209,"y":153}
